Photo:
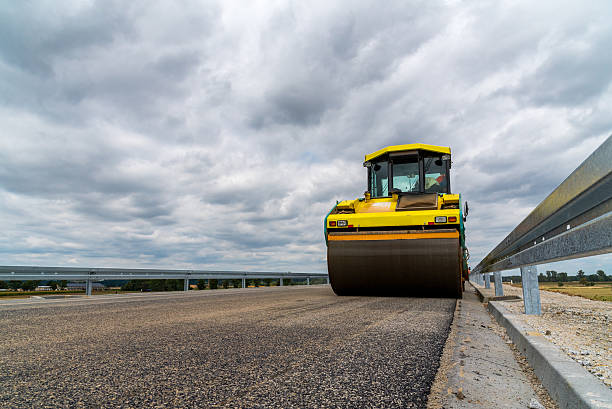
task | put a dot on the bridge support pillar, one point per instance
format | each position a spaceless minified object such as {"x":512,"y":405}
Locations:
{"x":487,"y":281}
{"x":499,"y":289}
{"x":244,"y":283}
{"x":88,"y":286}
{"x":307,"y":280}
{"x":531,"y":290}
{"x":280,"y":281}
{"x":327,"y":279}
{"x":186,"y":284}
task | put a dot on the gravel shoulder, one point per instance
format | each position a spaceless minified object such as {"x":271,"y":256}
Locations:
{"x":582,"y":328}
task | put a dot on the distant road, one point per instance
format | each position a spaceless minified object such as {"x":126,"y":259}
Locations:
{"x":266,"y":347}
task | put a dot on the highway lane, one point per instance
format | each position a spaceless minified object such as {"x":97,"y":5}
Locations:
{"x":267,"y":347}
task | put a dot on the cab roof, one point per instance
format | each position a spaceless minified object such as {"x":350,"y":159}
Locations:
{"x":409,"y":147}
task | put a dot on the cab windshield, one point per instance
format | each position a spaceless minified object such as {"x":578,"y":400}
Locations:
{"x":406,"y":174}
{"x":415,"y":172}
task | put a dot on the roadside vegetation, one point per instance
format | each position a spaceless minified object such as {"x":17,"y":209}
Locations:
{"x":601,"y":291}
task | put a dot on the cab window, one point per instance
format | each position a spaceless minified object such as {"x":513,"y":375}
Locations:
{"x":379,"y":179}
{"x":406,"y":174}
{"x":436,"y":174}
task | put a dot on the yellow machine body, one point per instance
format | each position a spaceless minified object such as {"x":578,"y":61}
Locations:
{"x":381,"y":213}
{"x":408,"y":147}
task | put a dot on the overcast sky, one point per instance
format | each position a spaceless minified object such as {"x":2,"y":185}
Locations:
{"x":217,"y":135}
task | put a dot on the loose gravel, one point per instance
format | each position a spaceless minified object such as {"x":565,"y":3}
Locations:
{"x":582,"y":328}
{"x":281,"y":347}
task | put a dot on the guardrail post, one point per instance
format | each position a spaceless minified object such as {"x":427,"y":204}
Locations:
{"x":244,"y":283}
{"x":307,"y":280}
{"x":280,"y":281}
{"x":487,"y":280}
{"x":499,"y":289}
{"x":186,"y":284}
{"x":531,"y":290}
{"x":88,"y":286}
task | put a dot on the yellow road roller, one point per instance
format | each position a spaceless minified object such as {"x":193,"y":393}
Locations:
{"x":406,"y":236}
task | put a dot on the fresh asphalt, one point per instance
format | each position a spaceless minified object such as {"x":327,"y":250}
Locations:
{"x":265,"y":347}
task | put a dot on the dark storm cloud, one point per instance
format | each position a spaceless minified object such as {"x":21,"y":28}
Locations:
{"x":32,"y":40}
{"x":219,"y":134}
{"x":101,"y":60}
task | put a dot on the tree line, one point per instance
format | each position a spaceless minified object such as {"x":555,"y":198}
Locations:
{"x":552,"y":276}
{"x":30,"y":285}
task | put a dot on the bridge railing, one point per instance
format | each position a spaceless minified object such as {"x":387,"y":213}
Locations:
{"x":574,"y":221}
{"x":89,"y":275}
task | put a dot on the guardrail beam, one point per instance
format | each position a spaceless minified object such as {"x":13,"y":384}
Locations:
{"x":588,"y":239}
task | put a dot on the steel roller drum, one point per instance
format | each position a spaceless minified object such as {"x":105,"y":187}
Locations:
{"x":428,"y":266}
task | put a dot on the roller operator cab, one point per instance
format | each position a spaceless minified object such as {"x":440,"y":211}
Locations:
{"x":406,"y":235}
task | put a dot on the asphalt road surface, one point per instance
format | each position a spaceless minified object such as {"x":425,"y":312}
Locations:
{"x":267,"y":347}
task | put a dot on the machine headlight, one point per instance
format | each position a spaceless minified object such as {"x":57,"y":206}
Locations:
{"x":440,"y":219}
{"x":342,"y":223}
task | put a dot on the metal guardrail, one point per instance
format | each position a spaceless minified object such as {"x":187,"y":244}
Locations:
{"x":574,"y":221}
{"x":98,"y":274}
